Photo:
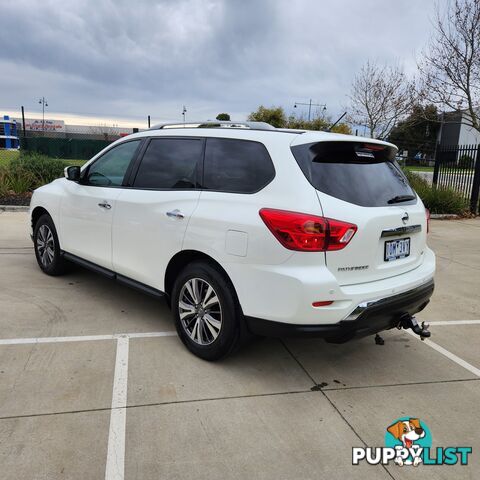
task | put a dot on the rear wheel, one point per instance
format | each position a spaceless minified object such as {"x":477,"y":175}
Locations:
{"x":206,"y":311}
{"x":47,"y":247}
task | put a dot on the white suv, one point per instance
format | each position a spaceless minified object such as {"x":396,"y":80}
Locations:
{"x":246,"y":229}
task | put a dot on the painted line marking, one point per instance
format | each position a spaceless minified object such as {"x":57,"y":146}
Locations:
{"x":152,"y":334}
{"x":453,"y":322}
{"x":446,"y":353}
{"x":84,"y":338}
{"x":168,"y":333}
{"x":115,"y":466}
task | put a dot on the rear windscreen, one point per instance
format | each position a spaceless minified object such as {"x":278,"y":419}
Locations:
{"x":359,"y":173}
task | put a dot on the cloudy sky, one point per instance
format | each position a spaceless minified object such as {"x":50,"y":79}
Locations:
{"x":119,"y":59}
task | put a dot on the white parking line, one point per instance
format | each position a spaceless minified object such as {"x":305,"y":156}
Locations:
{"x":83,"y":338}
{"x":115,"y":467}
{"x":454,"y":322}
{"x":152,"y":334}
{"x":450,"y":355}
{"x":168,"y":333}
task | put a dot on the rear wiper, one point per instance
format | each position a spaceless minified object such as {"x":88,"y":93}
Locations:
{"x":401,"y":198}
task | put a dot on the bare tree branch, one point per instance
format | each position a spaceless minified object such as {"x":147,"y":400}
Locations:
{"x":450,"y":67}
{"x":380,"y":96}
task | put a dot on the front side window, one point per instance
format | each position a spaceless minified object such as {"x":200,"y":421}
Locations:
{"x":170,"y":163}
{"x":109,"y":170}
{"x":238,"y":166}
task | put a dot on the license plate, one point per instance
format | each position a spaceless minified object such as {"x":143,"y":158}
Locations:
{"x":395,"y":249}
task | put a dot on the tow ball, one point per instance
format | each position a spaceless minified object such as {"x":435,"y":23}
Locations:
{"x":407,"y":321}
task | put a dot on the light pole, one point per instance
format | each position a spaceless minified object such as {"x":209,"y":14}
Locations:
{"x":44,"y":104}
{"x":184,"y":111}
{"x":310,"y":105}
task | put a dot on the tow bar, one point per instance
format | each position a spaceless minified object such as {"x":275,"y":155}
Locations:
{"x":407,"y":321}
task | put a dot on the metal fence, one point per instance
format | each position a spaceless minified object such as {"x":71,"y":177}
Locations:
{"x":419,"y":154}
{"x":71,"y":146}
{"x":79,"y":147}
{"x":458,"y":167}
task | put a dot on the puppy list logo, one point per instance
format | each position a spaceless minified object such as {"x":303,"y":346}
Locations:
{"x":408,"y":441}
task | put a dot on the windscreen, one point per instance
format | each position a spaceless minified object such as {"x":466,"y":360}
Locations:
{"x":359,"y":173}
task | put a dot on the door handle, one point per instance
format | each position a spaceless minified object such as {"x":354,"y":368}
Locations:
{"x":105,"y":205}
{"x":175,"y":214}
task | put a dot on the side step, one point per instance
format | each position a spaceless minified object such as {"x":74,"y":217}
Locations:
{"x":153,"y":292}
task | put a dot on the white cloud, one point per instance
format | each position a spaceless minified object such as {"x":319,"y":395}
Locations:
{"x":130,"y":59}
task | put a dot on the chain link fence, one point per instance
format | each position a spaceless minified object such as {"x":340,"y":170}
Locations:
{"x":32,"y":158}
{"x":71,"y":145}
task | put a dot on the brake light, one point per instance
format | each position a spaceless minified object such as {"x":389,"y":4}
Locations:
{"x":307,"y":233}
{"x":374,"y":147}
{"x":427,"y":214}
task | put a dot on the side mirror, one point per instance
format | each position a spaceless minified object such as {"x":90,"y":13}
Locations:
{"x":72,"y":173}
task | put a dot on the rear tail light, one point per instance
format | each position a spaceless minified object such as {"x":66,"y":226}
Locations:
{"x":427,"y":214}
{"x":307,"y":233}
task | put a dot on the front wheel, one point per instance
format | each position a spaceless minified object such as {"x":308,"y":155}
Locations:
{"x":47,"y":247}
{"x":206,"y":311}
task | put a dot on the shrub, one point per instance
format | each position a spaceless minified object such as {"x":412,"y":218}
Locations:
{"x":16,"y":181}
{"x":444,"y":200}
{"x":20,"y":182}
{"x":3,"y":180}
{"x":465,"y":161}
{"x":437,"y":199}
{"x":417,"y":182}
{"x":38,"y":169}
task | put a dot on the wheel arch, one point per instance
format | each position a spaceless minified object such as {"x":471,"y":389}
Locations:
{"x":37,"y":212}
{"x":181,"y":259}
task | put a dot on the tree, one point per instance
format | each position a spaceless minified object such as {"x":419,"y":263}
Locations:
{"x":274,"y":116}
{"x":380,"y":97}
{"x":223,"y":117}
{"x":450,"y":68}
{"x":342,"y":128}
{"x":418,"y":132}
{"x":317,"y":123}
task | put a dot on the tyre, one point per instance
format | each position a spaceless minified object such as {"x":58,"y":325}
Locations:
{"x":207,"y":315}
{"x":47,"y":247}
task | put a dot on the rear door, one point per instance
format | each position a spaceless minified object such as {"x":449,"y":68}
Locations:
{"x":153,"y":213}
{"x":360,"y":183}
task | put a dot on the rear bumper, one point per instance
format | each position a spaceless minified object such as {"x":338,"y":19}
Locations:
{"x":368,"y":318}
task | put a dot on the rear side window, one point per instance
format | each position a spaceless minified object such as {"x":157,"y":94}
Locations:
{"x":362,"y":174}
{"x":238,"y":166}
{"x":170,"y":163}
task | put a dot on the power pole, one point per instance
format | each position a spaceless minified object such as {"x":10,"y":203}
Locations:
{"x":310,"y":105}
{"x":23,"y":128}
{"x":44,"y":104}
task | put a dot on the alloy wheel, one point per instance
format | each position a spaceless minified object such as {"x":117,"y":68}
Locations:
{"x":45,"y":245}
{"x":200,"y":311}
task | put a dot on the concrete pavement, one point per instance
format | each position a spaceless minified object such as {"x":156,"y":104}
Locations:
{"x":278,"y":409}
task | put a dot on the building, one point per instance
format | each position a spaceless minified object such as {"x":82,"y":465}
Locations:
{"x":59,"y":129}
{"x":456,"y":130}
{"x":8,"y":134}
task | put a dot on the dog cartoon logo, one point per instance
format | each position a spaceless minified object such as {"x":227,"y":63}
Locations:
{"x":410,"y":432}
{"x":408,"y":441}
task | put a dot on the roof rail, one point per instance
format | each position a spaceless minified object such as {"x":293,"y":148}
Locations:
{"x":215,"y":124}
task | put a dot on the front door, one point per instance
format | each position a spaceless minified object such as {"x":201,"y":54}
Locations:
{"x":87,"y":209}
